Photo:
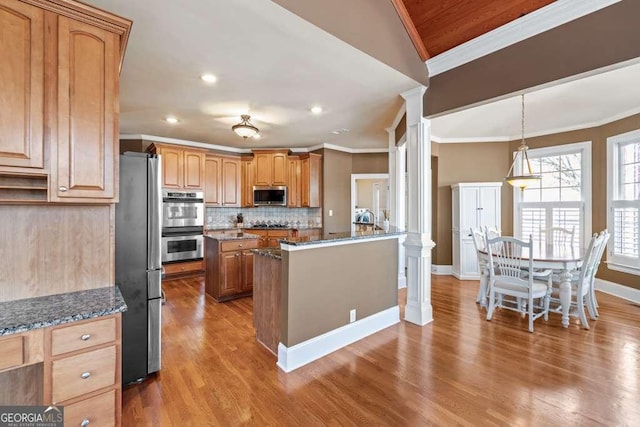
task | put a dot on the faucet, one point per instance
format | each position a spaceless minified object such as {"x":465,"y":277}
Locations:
{"x":372,"y":216}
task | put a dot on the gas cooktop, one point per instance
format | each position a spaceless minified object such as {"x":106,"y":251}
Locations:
{"x":271,"y":226}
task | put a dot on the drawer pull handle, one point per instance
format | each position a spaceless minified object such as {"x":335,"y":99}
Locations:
{"x":85,"y":375}
{"x":84,"y":423}
{"x":85,"y":337}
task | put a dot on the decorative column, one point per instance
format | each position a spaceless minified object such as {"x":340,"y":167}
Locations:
{"x":397,"y":199}
{"x":418,"y":243}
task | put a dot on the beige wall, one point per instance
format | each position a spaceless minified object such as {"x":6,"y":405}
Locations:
{"x":475,"y":162}
{"x":316,"y":299}
{"x":338,"y":167}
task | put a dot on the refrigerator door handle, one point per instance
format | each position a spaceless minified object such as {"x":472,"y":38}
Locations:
{"x":154,"y":206}
{"x":154,"y":284}
{"x":154,"y":336}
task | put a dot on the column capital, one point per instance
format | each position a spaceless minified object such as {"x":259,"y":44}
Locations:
{"x":413,"y":93}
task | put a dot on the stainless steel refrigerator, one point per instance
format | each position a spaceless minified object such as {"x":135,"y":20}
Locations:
{"x":138,"y":265}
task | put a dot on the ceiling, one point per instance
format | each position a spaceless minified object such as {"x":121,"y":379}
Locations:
{"x":442,"y":25}
{"x":274,"y":66}
{"x":269,"y":63}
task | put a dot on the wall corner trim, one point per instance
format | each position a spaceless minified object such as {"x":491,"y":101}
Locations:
{"x":618,"y":290}
{"x":291,"y":358}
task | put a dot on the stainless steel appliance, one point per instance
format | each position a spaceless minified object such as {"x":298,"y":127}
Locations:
{"x":138,"y":265}
{"x":182,"y":208}
{"x":270,"y":196}
{"x":181,"y":245}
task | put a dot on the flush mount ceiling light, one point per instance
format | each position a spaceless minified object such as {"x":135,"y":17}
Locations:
{"x":340,"y":131}
{"x":208,"y":78}
{"x":316,"y":109}
{"x":245,"y":129}
{"x":522,"y":159}
{"x":172,"y":120}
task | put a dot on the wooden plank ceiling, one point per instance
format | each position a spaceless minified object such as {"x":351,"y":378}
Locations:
{"x":436,"y":26}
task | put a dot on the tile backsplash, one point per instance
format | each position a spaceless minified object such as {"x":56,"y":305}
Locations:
{"x":226,"y":217}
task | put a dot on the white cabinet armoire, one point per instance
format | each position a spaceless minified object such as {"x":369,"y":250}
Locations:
{"x":475,"y":205}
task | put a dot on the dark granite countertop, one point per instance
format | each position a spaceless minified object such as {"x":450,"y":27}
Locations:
{"x":275,"y":253}
{"x":231,"y":236}
{"x":346,"y":235}
{"x":41,"y":312}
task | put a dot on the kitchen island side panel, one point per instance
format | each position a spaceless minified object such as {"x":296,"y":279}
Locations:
{"x":322,"y":285}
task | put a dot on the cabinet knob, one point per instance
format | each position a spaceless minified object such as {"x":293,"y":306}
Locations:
{"x":240,"y":245}
{"x":85,"y":337}
{"x":85,"y":375}
{"x":84,"y":423}
{"x":62,"y":188}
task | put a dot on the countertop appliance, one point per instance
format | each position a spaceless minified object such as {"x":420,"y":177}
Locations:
{"x":269,"y":196}
{"x":138,"y":263}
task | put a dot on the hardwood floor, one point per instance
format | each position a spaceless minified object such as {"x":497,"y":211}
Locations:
{"x":460,"y":369}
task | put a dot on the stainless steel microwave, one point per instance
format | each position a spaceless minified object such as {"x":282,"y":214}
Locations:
{"x":270,"y":196}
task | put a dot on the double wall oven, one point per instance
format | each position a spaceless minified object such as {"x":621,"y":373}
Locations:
{"x":182,"y":222}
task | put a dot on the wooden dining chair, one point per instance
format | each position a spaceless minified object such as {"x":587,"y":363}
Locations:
{"x":582,"y":286}
{"x":559,"y":236}
{"x":506,"y":277}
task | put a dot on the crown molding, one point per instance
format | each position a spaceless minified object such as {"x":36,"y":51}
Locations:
{"x":502,"y":138}
{"x":534,"y":23}
{"x":236,"y":150}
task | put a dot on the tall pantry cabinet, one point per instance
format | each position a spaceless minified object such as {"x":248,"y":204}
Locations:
{"x":475,"y":205}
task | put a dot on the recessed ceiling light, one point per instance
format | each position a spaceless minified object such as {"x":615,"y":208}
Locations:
{"x":171,"y":119}
{"x":316,"y":109}
{"x":257,"y":136}
{"x":209,"y":78}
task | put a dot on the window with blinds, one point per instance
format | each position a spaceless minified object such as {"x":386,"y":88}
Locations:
{"x":623,"y":194}
{"x":561,"y":198}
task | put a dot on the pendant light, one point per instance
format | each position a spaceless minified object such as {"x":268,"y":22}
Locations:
{"x":526,"y":176}
{"x":245,"y":129}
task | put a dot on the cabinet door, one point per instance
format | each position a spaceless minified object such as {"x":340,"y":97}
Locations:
{"x":87,"y":149}
{"x":468,"y":259}
{"x":304,"y":182}
{"x":212,"y":184}
{"x":293,"y":189}
{"x":193,"y":169}
{"x":231,"y":272}
{"x":21,"y":84}
{"x":171,"y":167}
{"x":247,"y":182}
{"x":490,"y":207}
{"x":469,"y":208}
{"x":247,"y":272}
{"x":230,"y":182}
{"x":279,"y":169}
{"x":263,"y":168}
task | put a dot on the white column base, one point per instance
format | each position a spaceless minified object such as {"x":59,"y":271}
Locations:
{"x":418,"y":309}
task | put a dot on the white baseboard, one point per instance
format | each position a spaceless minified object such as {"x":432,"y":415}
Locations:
{"x":441,"y":270}
{"x":300,"y":354}
{"x":620,"y":291}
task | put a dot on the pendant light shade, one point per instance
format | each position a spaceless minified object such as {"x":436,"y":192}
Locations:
{"x":521,"y":158}
{"x":245,"y":129}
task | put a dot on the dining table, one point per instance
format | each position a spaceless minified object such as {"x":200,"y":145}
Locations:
{"x":564,"y":259}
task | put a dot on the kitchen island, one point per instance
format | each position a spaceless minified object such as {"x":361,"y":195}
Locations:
{"x":330,"y":292}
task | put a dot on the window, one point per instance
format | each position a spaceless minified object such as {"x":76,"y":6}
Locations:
{"x":623,"y":200}
{"x":562,"y":198}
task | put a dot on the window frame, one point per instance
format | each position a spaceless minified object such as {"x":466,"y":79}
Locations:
{"x":584,"y":148}
{"x":618,"y":262}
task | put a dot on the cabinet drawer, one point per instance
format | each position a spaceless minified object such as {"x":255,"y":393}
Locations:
{"x":238,"y":245}
{"x":85,"y":335}
{"x":183,"y":267}
{"x":98,"y":411}
{"x":11,"y":352}
{"x":77,"y":375}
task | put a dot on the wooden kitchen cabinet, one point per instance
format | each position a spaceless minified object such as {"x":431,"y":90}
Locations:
{"x":182,"y":168}
{"x":229,"y":267}
{"x":66,"y":83}
{"x":247,"y":169}
{"x":22,"y":68}
{"x":294,"y":187}
{"x":311,"y":180}
{"x":222,"y":181}
{"x":271,"y":166}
